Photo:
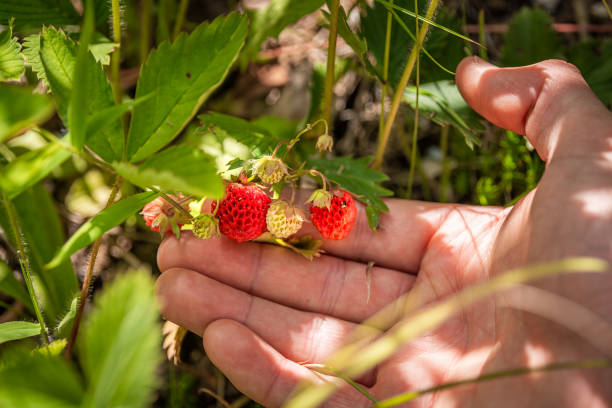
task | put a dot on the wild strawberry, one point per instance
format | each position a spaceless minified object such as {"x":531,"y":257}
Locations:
{"x":335,"y":222}
{"x":163,"y":217}
{"x":270,"y":169}
{"x":242,"y":213}
{"x":283,"y":219}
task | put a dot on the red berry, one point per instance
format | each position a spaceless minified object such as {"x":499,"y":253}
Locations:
{"x":336,"y":221}
{"x":242,"y":213}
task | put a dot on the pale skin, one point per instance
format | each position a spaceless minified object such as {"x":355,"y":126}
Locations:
{"x":261,"y":310}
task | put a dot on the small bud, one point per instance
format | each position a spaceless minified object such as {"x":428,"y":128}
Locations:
{"x":325,"y":142}
{"x":270,"y":169}
{"x":205,"y":226}
{"x":321,"y":198}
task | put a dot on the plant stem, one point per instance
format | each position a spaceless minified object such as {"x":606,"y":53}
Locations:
{"x":180,"y":18}
{"x":328,"y":94}
{"x":116,"y":55}
{"x":385,"y":73}
{"x":88,"y":273}
{"x":145,"y":30}
{"x":397,"y":97}
{"x":607,"y":8}
{"x":24,"y":262}
{"x":444,"y":180}
{"x":403,"y":398}
{"x":176,"y":205}
{"x":415,"y":129}
{"x":481,"y":35}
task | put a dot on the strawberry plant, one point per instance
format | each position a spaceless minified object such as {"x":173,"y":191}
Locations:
{"x":110,"y":130}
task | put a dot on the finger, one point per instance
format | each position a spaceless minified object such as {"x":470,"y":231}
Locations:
{"x":194,"y":301}
{"x":548,"y":102}
{"x":327,"y":285}
{"x":398,"y":243}
{"x":261,"y":372}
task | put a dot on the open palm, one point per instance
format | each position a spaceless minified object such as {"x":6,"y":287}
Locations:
{"x":263,"y":310}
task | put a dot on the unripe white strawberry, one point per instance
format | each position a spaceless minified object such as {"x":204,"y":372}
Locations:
{"x":205,"y":226}
{"x":283,"y":219}
{"x":270,"y":169}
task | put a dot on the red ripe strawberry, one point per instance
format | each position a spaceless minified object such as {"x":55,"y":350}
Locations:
{"x":335,"y":222}
{"x":242,"y":213}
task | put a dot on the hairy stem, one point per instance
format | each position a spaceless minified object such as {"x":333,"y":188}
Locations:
{"x":385,"y":73}
{"x":25,"y":264}
{"x":328,"y":93}
{"x":403,"y":398}
{"x":88,"y":273}
{"x":180,"y":18}
{"x":116,"y":55}
{"x":397,"y":97}
{"x":415,"y":129}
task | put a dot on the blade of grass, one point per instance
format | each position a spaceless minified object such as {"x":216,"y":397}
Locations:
{"x":327,"y":370}
{"x":180,"y":18}
{"x":605,"y":3}
{"x":423,"y":49}
{"x":328,"y":93}
{"x":385,"y":73}
{"x":514,"y":372}
{"x":426,"y":319}
{"x":25,"y":264}
{"x":428,"y":21}
{"x":384,"y":139}
{"x":415,"y":129}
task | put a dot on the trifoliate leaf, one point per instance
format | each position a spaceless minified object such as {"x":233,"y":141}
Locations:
{"x":119,"y":344}
{"x":183,"y":75}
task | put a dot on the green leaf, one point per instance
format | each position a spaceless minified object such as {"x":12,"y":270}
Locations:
{"x":31,"y":167}
{"x":53,"y":56}
{"x":119,"y":345}
{"x":18,"y":330}
{"x":77,"y":110}
{"x":34,"y":13}
{"x":530,"y":39}
{"x":37,"y":380}
{"x":594,"y":59}
{"x":178,"y":168}
{"x":11,"y":61}
{"x":42,"y":231}
{"x":31,"y":54}
{"x":10,"y":286}
{"x":270,"y":21}
{"x":21,"y":109}
{"x":446,"y":106}
{"x":183,"y":74}
{"x":355,"y":176}
{"x":101,"y":47}
{"x":260,"y":135}
{"x":98,"y":225}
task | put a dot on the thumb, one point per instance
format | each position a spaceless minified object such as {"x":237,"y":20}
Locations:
{"x":548,"y":102}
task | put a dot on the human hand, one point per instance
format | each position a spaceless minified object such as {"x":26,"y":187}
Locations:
{"x":261,"y":309}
